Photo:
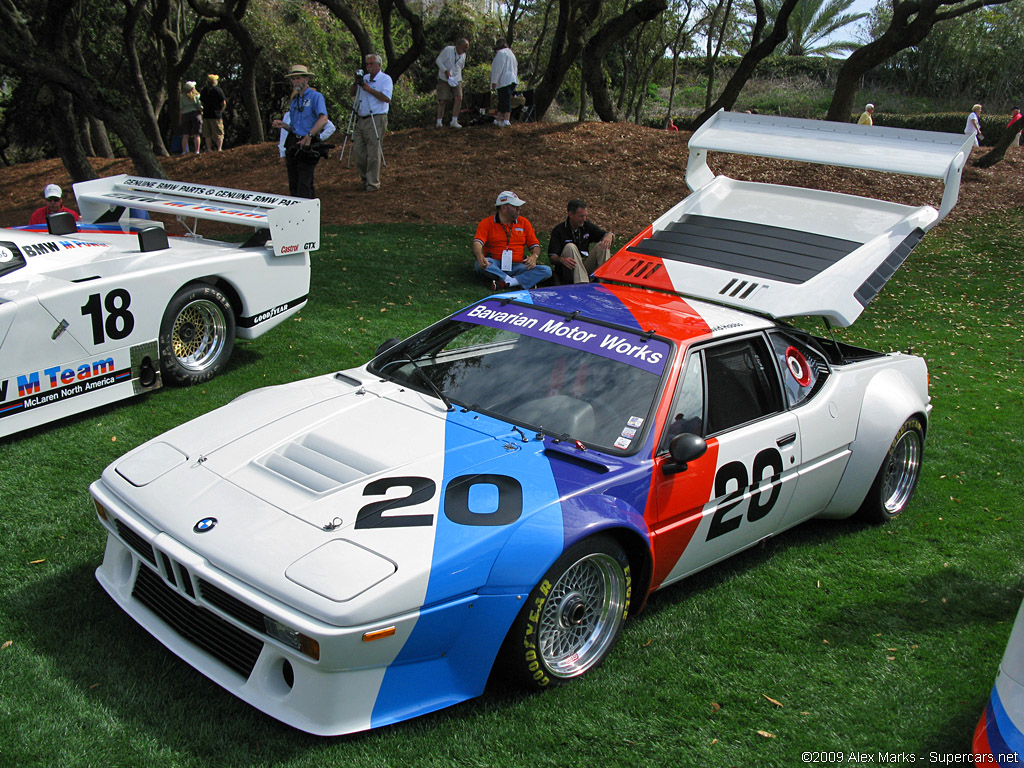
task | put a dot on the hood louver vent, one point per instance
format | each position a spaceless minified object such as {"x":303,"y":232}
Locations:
{"x":317,"y":464}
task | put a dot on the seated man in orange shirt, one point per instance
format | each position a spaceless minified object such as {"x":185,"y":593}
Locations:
{"x":501,"y":245}
{"x":54,"y":204}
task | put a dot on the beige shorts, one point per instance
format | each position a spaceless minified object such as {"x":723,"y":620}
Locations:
{"x":213,"y":129}
{"x":446,"y":93}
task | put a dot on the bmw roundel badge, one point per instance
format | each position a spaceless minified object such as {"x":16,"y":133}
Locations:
{"x":204,"y":525}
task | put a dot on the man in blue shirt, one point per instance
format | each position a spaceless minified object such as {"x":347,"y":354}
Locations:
{"x":307,"y":113}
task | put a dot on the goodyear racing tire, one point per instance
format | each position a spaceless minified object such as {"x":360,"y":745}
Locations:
{"x":197,"y":335}
{"x":897,"y":478}
{"x":573,"y":617}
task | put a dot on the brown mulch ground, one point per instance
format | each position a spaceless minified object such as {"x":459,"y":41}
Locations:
{"x":628,"y":175}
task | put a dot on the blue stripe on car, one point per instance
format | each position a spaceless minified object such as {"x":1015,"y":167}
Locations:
{"x":462,"y":560}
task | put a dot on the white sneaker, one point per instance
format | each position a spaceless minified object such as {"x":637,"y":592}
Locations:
{"x":438,"y":124}
{"x":499,"y":123}
{"x":454,"y":124}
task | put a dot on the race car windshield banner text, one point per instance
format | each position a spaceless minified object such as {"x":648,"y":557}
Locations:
{"x":622,"y":346}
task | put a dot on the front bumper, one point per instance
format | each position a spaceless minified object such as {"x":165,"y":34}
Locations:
{"x":362,"y":676}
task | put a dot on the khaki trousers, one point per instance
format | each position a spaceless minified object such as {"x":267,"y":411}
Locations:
{"x":367,"y":148}
{"x":585,"y":263}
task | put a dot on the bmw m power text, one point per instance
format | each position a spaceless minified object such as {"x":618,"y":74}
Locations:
{"x":498,"y":492}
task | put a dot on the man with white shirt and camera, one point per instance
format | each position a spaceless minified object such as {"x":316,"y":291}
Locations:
{"x":373,"y":89}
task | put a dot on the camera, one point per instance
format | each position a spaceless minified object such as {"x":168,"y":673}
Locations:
{"x":321,"y":149}
{"x":311,"y":154}
{"x":359,"y":77}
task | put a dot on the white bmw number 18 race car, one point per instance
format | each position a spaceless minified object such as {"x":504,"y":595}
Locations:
{"x":95,"y":313}
{"x":499,"y":491}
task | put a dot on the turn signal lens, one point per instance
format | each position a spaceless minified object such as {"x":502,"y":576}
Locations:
{"x":378,"y":634}
{"x":101,"y":511}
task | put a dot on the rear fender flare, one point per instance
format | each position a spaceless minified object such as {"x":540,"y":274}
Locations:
{"x":889,"y":400}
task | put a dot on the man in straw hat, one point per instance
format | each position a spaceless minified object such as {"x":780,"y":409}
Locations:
{"x":307,"y":115}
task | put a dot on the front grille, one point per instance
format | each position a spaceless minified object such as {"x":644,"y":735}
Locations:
{"x":222,"y":640}
{"x":231,"y":605}
{"x":135,"y":541}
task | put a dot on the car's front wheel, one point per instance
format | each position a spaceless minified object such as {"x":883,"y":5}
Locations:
{"x":197,"y":335}
{"x":897,"y":478}
{"x":573,"y":617}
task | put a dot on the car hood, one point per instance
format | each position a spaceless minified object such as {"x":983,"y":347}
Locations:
{"x":328,"y":494}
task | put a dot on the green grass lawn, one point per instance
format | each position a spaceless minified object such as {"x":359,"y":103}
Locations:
{"x":831,"y":637}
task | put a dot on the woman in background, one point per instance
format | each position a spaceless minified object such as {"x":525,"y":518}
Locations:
{"x":191,"y":117}
{"x":973,"y":127}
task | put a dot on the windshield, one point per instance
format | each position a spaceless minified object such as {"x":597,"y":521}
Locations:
{"x":547,"y":371}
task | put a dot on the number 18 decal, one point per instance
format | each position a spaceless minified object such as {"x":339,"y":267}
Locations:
{"x":759,"y":506}
{"x":119,"y":322}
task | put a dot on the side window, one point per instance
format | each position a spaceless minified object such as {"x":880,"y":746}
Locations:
{"x":742,"y":383}
{"x":688,"y":403}
{"x":803,"y":369}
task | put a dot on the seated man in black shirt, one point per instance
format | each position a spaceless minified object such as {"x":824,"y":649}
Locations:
{"x":577,"y":246}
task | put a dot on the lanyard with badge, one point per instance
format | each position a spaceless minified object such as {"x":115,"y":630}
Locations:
{"x":506,"y":254}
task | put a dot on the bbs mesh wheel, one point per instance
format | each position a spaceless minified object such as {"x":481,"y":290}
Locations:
{"x":573,"y":617}
{"x":197,"y":335}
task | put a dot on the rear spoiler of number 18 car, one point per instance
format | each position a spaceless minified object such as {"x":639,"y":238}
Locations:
{"x":294,"y":223}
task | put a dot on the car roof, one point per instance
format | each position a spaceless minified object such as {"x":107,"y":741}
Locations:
{"x":784,"y":251}
{"x":669,"y":315}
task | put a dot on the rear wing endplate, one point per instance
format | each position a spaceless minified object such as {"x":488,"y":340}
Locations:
{"x":293,"y":222}
{"x":928,"y":154}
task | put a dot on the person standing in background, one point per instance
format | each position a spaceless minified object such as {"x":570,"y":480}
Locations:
{"x":504,"y":78}
{"x":375,"y":89}
{"x":307,"y":117}
{"x":191,"y":117}
{"x":867,"y":116}
{"x":973,"y":127}
{"x":450,"y":63}
{"x":213,"y":113}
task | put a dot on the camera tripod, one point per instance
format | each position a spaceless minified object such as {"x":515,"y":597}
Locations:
{"x":350,"y":126}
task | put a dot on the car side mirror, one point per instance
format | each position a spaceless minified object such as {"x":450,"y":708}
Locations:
{"x":385,"y":346}
{"x":683,"y":449}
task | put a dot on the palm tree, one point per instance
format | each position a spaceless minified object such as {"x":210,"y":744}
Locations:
{"x":812,"y":25}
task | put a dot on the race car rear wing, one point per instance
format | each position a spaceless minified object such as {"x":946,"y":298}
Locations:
{"x":872,"y":148}
{"x":293,"y":222}
{"x":786,"y":251}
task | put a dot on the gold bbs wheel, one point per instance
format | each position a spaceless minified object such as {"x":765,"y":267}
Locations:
{"x":197,"y":335}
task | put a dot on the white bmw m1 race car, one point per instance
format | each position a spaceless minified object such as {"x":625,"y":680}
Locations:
{"x":498,"y":492}
{"x":93,"y":313}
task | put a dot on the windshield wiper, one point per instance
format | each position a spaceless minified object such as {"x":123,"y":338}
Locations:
{"x":431,"y":385}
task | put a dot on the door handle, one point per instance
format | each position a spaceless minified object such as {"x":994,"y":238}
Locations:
{"x":786,"y":439}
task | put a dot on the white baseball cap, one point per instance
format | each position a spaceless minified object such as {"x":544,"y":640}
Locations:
{"x":52,"y":190}
{"x":509,"y":198}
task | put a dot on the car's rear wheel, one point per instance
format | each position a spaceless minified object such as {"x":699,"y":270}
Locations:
{"x":197,"y":335}
{"x":573,"y":617}
{"x":897,"y":478}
